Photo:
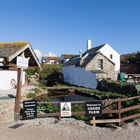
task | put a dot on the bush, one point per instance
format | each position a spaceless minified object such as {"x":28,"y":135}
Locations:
{"x":48,"y":108}
{"x":51,"y":74}
{"x":32,"y":71}
{"x":123,"y":88}
{"x":129,"y":90}
{"x":130,"y":103}
{"x":48,"y":69}
{"x":33,"y":93}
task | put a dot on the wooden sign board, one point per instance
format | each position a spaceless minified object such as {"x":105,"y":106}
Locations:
{"x":93,"y":108}
{"x":65,"y":109}
{"x":29,"y":110}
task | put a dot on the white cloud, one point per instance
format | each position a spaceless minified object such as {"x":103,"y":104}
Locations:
{"x":51,"y":54}
{"x":38,"y":53}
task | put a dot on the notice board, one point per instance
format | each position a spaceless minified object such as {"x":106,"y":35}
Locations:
{"x":29,"y":109}
{"x":93,"y":108}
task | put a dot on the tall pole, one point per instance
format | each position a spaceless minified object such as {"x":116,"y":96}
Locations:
{"x":18,"y":94}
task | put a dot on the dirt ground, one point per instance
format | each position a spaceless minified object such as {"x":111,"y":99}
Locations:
{"x":66,"y":129}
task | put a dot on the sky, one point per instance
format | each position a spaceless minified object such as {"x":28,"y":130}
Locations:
{"x":64,"y":26}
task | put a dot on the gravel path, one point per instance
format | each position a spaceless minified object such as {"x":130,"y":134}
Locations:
{"x":66,"y":129}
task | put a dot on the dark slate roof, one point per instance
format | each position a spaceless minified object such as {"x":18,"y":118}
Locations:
{"x":88,"y":59}
{"x":7,"y":49}
{"x":75,"y":60}
{"x":91,"y":53}
{"x":93,"y":50}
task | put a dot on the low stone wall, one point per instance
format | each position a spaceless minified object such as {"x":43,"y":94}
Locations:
{"x":7,"y":109}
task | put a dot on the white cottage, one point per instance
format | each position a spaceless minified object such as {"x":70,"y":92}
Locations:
{"x":101,"y":62}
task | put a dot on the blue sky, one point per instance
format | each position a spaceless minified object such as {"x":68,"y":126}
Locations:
{"x":64,"y":26}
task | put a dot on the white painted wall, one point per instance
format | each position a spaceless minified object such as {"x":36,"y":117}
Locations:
{"x":79,"y":76}
{"x":106,"y":50}
{"x":62,"y":58}
{"x":51,"y":62}
{"x":6,"y":76}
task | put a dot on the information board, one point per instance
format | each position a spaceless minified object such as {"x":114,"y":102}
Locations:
{"x":93,"y":108}
{"x":22,"y":62}
{"x":29,"y":109}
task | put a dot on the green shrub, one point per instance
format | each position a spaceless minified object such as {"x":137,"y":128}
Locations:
{"x":122,"y":88}
{"x":48,"y":108}
{"x":130,"y":103}
{"x":77,"y":107}
{"x":42,"y":85}
{"x":48,"y":69}
{"x":129,"y":90}
{"x":33,"y":93}
{"x":32,"y":71}
{"x":51,"y":73}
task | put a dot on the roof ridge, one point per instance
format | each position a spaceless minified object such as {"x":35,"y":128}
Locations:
{"x":11,"y":44}
{"x":14,"y":42}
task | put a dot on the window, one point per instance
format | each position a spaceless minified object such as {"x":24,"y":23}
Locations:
{"x":111,"y":56}
{"x":100,"y":64}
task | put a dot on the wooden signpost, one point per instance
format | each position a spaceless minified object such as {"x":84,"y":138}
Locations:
{"x":21,"y":63}
{"x":18,"y":94}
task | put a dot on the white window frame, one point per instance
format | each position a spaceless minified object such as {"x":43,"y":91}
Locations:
{"x":100,"y":64}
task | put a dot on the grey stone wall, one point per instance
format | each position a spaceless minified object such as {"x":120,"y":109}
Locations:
{"x":108,"y":67}
{"x":7,"y":110}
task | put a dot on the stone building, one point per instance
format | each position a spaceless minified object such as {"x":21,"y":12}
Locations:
{"x":85,"y":69}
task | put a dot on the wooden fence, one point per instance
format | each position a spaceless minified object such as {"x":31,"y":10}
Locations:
{"x":113,"y":111}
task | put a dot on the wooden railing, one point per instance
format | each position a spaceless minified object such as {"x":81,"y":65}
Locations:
{"x":110,"y":107}
{"x":120,"y":109}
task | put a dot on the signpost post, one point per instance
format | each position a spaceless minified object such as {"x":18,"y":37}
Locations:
{"x":18,"y":95}
{"x":93,"y":109}
{"x":21,"y":63}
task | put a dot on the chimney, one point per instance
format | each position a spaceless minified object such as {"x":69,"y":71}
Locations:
{"x":80,"y":53}
{"x":89,"y":45}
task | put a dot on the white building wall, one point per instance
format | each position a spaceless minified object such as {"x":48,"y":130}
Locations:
{"x":79,"y":76}
{"x":107,"y":50}
{"x":6,"y":76}
{"x":62,"y":58}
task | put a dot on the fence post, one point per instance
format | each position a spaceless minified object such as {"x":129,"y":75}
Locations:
{"x":94,"y":121}
{"x":119,"y":109}
{"x":59,"y":117}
